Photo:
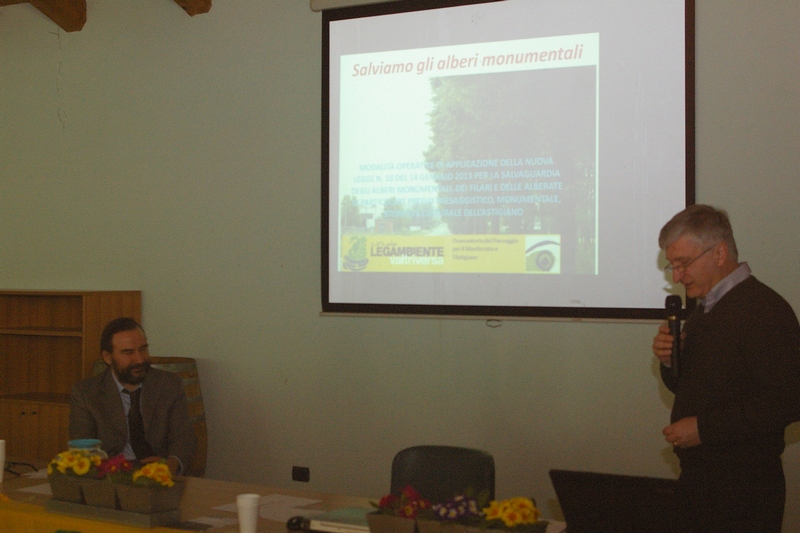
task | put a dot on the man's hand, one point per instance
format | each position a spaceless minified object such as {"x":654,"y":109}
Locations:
{"x":173,"y":464}
{"x":683,"y":433}
{"x":662,"y":345}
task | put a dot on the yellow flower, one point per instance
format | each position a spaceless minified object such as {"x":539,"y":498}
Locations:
{"x":158,"y":472}
{"x":493,"y":511}
{"x":72,"y":462}
{"x":81,"y":465}
{"x":513,"y":512}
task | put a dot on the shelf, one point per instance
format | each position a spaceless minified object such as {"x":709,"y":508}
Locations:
{"x":48,"y":341}
{"x":42,"y":332}
{"x":39,"y":397}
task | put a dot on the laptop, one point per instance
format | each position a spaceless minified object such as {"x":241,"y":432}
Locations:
{"x":343,"y":520}
{"x":612,"y":503}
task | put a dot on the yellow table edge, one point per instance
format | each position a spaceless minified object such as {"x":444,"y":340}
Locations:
{"x":18,"y":517}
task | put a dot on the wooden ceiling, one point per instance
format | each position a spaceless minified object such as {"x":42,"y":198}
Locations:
{"x":70,"y":15}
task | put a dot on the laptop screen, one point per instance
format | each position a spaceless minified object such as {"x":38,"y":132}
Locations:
{"x":613,"y":503}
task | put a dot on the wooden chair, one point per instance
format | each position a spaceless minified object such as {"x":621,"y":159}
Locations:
{"x":186,"y":368}
{"x":438,"y":473}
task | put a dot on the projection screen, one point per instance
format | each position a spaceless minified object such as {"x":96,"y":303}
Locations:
{"x":508,"y":158}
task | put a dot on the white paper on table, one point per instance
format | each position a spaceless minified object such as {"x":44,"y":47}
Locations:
{"x":44,"y":488}
{"x":39,"y":474}
{"x":279,"y":507}
{"x":282,"y":500}
{"x":273,"y":500}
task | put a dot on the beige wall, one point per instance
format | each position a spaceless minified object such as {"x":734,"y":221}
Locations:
{"x":180,"y":156}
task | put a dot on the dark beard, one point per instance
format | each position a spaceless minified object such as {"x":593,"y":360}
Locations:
{"x":126,"y":376}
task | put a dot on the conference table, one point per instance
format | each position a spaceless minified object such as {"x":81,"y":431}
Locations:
{"x":206,"y":503}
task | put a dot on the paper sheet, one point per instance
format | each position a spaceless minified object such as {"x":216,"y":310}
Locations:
{"x":278,"y":507}
{"x":44,"y":488}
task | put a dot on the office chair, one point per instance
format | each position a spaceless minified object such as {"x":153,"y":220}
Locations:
{"x":438,"y":473}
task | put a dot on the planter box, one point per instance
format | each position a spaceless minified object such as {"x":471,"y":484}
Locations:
{"x":384,"y":523}
{"x":435,"y":526}
{"x":149,"y":500}
{"x":66,"y":488}
{"x":99,"y":493}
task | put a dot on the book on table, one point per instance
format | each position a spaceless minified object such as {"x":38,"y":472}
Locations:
{"x":342,"y":520}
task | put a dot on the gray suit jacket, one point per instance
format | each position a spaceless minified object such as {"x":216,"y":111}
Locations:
{"x":96,"y":412}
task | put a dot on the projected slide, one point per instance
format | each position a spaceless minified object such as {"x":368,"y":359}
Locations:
{"x":435,"y":175}
{"x":513,"y":157}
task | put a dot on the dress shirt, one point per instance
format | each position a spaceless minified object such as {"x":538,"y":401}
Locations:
{"x":719,"y":290}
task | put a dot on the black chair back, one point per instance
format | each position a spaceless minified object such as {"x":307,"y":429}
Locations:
{"x":438,"y":473}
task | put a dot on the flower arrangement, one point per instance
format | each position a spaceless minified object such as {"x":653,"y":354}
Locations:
{"x":464,"y":513}
{"x":116,"y":469}
{"x":88,"y":477}
{"x":471,"y":514}
{"x":155,"y":474}
{"x":509,"y":514}
{"x":462,"y":509}
{"x":75,"y":464}
{"x":407,"y":505}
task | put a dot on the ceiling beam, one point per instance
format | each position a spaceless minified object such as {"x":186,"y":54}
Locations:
{"x":70,"y":15}
{"x":195,"y":7}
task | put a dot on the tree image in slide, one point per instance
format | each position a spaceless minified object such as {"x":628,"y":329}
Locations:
{"x":515,"y":154}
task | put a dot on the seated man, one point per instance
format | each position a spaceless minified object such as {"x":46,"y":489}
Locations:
{"x":105,"y":406}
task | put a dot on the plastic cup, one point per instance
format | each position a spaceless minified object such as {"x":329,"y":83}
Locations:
{"x":247,"y":507}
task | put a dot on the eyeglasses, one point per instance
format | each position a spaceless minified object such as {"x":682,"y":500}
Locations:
{"x":680,"y":269}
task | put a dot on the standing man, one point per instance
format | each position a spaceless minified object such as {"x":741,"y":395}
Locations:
{"x":133,"y":409}
{"x":738,"y":385}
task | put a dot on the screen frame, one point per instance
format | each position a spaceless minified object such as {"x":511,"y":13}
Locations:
{"x":481,"y":311}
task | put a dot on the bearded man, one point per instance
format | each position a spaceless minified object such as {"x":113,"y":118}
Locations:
{"x":134,"y":410}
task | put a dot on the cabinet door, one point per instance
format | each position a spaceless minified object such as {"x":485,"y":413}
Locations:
{"x":34,"y":431}
{"x":13,"y":443}
{"x":52,"y":430}
{"x":15,"y":426}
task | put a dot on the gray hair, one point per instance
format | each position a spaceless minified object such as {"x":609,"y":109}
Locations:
{"x":703,"y":224}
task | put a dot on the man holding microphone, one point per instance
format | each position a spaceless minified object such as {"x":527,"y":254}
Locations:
{"x":737,"y":384}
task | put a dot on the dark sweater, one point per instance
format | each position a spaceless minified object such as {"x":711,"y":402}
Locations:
{"x":740,"y":375}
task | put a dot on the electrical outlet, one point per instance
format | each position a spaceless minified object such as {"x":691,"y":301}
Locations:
{"x":301,"y":473}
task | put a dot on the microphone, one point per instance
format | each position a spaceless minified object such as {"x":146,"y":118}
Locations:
{"x":673,"y":306}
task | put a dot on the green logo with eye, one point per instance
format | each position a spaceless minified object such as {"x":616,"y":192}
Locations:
{"x":355,"y":258}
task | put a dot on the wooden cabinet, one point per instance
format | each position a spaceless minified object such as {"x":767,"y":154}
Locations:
{"x":48,"y":341}
{"x":35,"y":430}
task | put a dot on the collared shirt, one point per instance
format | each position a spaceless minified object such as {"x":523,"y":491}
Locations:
{"x":126,"y":405}
{"x":719,"y":290}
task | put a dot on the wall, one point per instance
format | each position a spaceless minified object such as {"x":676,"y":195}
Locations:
{"x":180,"y":156}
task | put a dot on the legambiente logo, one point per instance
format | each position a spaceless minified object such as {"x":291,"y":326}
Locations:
{"x":408,"y":255}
